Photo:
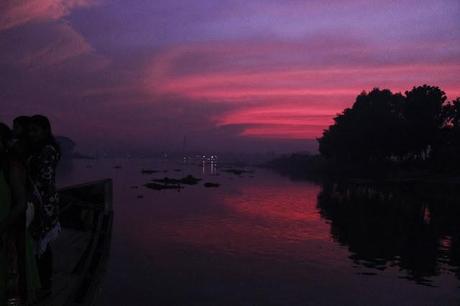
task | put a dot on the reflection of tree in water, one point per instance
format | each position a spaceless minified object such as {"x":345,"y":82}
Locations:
{"x":418,"y":232}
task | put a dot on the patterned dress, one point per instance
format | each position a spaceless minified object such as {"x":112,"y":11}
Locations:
{"x":45,"y":227}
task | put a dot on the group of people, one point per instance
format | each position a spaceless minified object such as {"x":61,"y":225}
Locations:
{"x":29,"y":209}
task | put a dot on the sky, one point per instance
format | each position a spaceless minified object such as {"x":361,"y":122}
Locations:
{"x":228,"y":75}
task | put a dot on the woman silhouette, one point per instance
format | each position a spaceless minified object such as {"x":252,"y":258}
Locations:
{"x":18,"y":246}
{"x":42,"y":166}
{"x":5,"y":207}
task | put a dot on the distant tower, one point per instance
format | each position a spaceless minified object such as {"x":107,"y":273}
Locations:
{"x":184,"y":146}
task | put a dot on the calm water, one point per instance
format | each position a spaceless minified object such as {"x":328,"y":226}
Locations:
{"x":262,"y":239}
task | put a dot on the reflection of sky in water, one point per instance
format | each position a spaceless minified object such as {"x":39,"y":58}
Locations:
{"x":256,"y":240}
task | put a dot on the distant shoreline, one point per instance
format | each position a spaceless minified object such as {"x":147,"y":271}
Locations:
{"x":317,"y":168}
{"x":82,"y":156}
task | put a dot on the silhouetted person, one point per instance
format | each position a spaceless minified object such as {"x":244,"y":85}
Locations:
{"x":5,"y":206}
{"x":21,"y":127}
{"x":42,"y":165}
{"x":23,"y":277}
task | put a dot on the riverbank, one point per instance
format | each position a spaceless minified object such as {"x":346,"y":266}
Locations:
{"x":317,"y":168}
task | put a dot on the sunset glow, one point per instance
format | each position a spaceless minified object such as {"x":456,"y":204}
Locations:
{"x":222,"y":70}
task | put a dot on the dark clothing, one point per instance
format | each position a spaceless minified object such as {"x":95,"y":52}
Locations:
{"x":42,"y":167}
{"x":45,"y":268}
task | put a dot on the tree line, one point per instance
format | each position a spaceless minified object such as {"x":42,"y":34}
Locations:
{"x":420,"y":126}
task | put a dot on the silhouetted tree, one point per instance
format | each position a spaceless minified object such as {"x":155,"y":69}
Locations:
{"x":369,"y":130}
{"x":382,"y":126}
{"x":455,"y":114}
{"x":425,"y":115}
{"x":447,"y":154}
{"x":386,"y":225}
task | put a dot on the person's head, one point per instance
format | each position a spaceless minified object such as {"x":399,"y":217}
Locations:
{"x":5,"y":137}
{"x":40,"y":133}
{"x":20,"y":126}
{"x":19,"y":151}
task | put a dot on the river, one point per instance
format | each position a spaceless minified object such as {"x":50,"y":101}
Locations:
{"x":263,"y":239}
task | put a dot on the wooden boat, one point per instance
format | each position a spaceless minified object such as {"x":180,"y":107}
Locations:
{"x":80,"y":253}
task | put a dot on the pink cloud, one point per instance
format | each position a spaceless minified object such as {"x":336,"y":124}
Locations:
{"x":289,"y":121}
{"x":275,"y":98}
{"x":17,"y":12}
{"x":45,"y":39}
{"x":65,"y":44}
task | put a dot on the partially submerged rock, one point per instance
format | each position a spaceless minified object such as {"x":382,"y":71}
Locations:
{"x":147,"y":171}
{"x":187,"y":180}
{"x":156,"y":186}
{"x":190,"y":180}
{"x":211,"y":185}
{"x":237,"y":171}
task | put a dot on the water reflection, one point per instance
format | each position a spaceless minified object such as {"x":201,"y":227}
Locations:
{"x":413,"y":228}
{"x":267,"y":240}
{"x":209,"y":167}
{"x":250,"y":220}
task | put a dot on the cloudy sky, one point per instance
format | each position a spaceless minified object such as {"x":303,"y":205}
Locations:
{"x":139,"y":75}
